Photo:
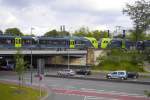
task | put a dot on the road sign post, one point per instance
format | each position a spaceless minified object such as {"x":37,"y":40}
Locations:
{"x":40,"y":80}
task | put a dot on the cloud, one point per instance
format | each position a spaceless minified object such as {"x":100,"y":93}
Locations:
{"x":15,"y":3}
{"x":45,"y":15}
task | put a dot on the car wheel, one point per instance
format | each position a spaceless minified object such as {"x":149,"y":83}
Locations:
{"x":108,"y":77}
{"x":135,"y":77}
{"x":122,"y":78}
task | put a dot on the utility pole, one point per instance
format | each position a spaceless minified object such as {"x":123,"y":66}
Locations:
{"x":68,"y":60}
{"x":31,"y":67}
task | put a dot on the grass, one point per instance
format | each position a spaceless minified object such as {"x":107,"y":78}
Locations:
{"x":14,"y":92}
{"x":123,"y":66}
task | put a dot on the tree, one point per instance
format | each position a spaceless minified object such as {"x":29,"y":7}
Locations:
{"x":139,"y":12}
{"x":55,"y":33}
{"x":52,"y":33}
{"x":63,"y":33}
{"x":20,"y":65}
{"x":13,"y":31}
{"x":132,"y":36}
{"x":83,"y":31}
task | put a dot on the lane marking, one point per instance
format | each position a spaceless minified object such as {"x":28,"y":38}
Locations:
{"x":95,"y":94}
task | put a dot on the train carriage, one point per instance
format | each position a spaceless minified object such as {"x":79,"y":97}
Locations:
{"x":12,"y":42}
{"x":54,"y":43}
{"x":121,"y":43}
{"x":7,"y":42}
{"x":29,"y":42}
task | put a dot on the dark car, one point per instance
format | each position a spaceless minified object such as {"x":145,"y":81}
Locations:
{"x":83,"y":72}
{"x":133,"y":75}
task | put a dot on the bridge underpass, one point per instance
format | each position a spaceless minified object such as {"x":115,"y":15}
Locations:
{"x":50,"y":58}
{"x":54,"y":58}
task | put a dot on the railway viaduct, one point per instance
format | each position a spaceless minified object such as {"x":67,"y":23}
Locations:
{"x":71,"y":57}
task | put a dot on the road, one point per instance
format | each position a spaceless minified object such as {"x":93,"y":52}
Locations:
{"x":79,"y":89}
{"x":70,"y":89}
{"x":145,"y":77}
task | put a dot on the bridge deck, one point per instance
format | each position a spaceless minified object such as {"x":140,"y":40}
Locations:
{"x":43,"y":52}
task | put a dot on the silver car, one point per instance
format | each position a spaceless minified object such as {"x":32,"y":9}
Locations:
{"x":66,"y":72}
{"x":117,"y":75}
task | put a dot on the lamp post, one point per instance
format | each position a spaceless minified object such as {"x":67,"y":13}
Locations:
{"x":31,"y":67}
{"x":68,"y":60}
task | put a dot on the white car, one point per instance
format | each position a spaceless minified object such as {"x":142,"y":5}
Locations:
{"x":66,"y":72}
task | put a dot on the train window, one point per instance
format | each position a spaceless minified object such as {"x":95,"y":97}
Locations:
{"x":42,"y":41}
{"x":9,"y":41}
{"x":105,"y":42}
{"x":50,"y":42}
{"x":77,"y":42}
{"x":26,"y":42}
{"x":55,"y":43}
{"x":63,"y":42}
{"x":92,"y":41}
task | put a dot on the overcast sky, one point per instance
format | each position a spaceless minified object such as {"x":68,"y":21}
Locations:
{"x":45,"y":15}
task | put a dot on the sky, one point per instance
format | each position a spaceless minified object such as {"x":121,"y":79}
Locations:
{"x":45,"y":15}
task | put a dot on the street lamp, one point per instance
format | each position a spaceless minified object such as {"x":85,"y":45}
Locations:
{"x":31,"y":67}
{"x":68,"y":60}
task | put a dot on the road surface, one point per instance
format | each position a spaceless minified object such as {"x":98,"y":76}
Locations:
{"x":73,"y":89}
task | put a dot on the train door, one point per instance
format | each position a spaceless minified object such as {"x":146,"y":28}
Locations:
{"x":18,"y":42}
{"x":72,"y":44}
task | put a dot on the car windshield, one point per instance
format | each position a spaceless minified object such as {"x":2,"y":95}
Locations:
{"x":67,"y":70}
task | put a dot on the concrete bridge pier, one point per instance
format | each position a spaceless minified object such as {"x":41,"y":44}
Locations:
{"x":41,"y":65}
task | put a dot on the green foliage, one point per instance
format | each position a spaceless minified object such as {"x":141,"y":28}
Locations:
{"x":13,"y":31}
{"x":147,"y":37}
{"x":85,"y":32}
{"x":63,"y":33}
{"x":147,"y":55}
{"x":13,"y":92}
{"x":20,"y":65}
{"x":97,"y":34}
{"x":118,"y":59}
{"x":51,"y":33}
{"x":132,"y":36}
{"x":139,"y":12}
{"x":55,"y":33}
{"x":105,"y":34}
{"x":147,"y":93}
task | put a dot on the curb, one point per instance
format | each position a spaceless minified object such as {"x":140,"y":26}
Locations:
{"x":106,"y":80}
